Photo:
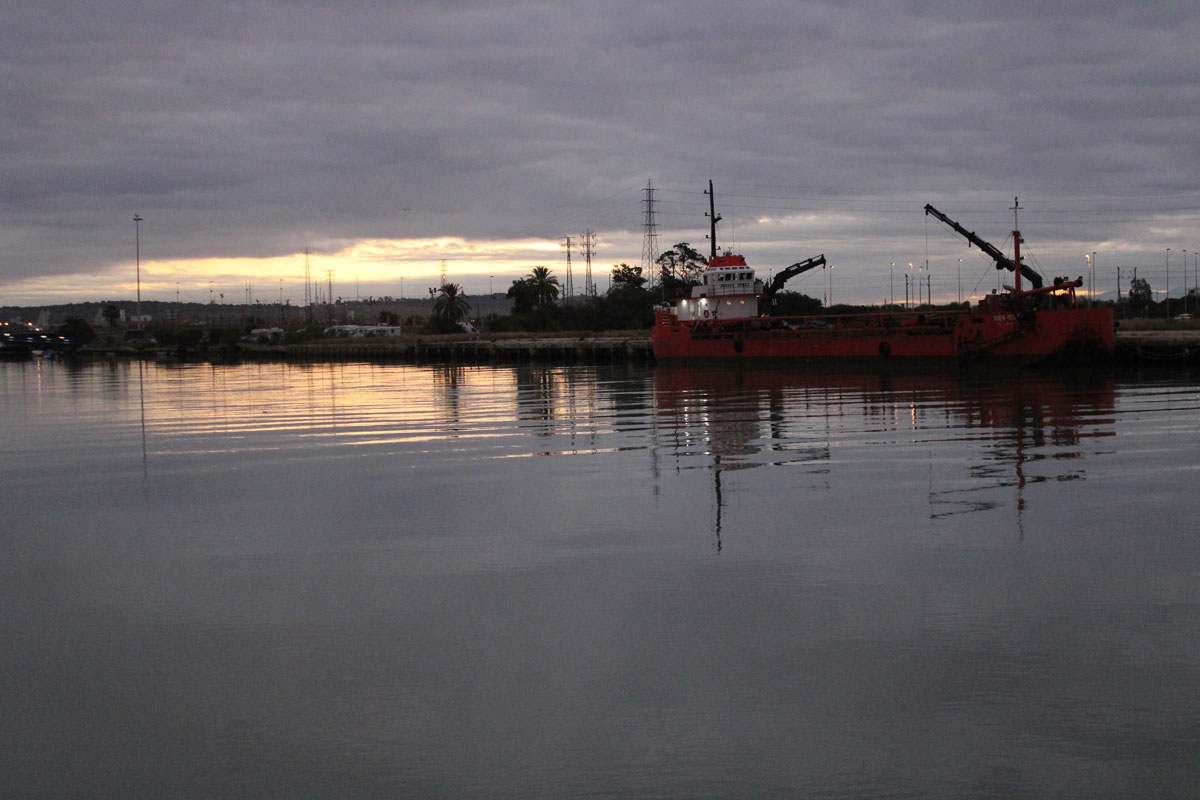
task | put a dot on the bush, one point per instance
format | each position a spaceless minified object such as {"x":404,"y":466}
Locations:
{"x":188,"y":337}
{"x":76,"y":328}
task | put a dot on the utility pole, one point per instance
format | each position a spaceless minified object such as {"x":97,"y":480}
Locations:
{"x":137,"y":236}
{"x":308,"y":298}
{"x":1195,"y":268}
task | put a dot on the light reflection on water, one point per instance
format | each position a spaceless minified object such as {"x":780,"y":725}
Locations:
{"x":551,"y":581}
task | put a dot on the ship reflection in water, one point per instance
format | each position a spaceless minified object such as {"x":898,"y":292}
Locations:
{"x":988,"y":437}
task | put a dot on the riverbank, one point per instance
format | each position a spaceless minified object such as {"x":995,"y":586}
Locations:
{"x":1133,"y":346}
{"x":632,"y":346}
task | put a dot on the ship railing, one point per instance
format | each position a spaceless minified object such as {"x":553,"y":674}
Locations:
{"x":719,"y":290}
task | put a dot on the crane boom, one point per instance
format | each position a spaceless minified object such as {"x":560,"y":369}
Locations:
{"x":1002,"y":261}
{"x":787,"y":273}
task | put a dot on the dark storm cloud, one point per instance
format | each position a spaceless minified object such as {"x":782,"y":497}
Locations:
{"x":253,"y":129}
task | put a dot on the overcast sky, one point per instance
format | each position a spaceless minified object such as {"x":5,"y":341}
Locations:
{"x":390,"y":137}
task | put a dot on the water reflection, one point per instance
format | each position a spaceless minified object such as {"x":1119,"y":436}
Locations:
{"x":981,"y":440}
{"x":472,"y":582}
{"x":980,"y":433}
{"x":277,"y":407}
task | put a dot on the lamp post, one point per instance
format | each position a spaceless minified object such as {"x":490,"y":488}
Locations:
{"x":1088,"y":256}
{"x":960,"y":280}
{"x":1168,"y":283}
{"x":908,"y":279}
{"x":1092,"y":280}
{"x":892,"y":286}
{"x":137,"y":250}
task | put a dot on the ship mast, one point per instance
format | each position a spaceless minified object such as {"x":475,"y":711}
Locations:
{"x":1016,"y":244}
{"x":713,"y":219}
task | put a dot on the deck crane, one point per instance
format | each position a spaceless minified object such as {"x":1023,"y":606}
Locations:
{"x":787,"y":273}
{"x":1002,"y":261}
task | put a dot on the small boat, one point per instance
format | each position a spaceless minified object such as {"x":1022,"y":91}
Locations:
{"x":728,"y":315}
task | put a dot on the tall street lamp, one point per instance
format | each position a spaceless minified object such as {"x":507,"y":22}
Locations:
{"x":1088,"y":256}
{"x":137,"y":239}
{"x":1168,"y":283}
{"x":1092,"y":280}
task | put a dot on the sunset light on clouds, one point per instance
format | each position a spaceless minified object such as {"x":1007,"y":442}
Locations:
{"x":369,"y":268}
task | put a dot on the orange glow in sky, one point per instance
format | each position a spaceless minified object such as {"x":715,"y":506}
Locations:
{"x":374,"y":267}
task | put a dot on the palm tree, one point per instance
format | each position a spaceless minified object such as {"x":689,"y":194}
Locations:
{"x":545,"y":286}
{"x":450,"y":304}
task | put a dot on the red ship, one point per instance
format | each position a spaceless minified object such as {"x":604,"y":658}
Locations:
{"x":729,"y":316}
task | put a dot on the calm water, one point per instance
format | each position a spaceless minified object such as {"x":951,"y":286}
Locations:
{"x":560,"y":582}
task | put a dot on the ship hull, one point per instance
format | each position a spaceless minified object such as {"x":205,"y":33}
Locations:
{"x":1073,"y":333}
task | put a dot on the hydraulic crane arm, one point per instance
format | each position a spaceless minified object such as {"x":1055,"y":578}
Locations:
{"x":787,"y":273}
{"x":1002,"y":261}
